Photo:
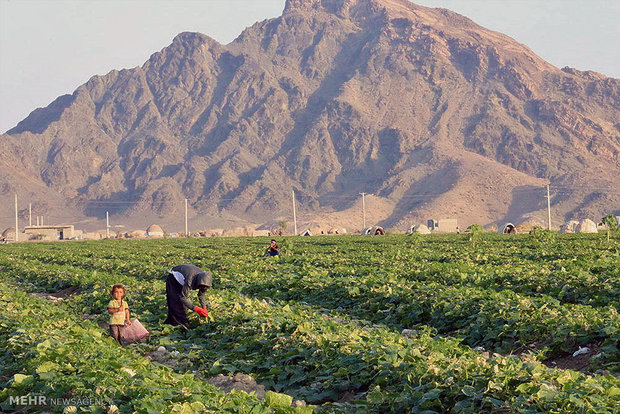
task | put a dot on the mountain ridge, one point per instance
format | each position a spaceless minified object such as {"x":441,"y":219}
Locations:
{"x":426,"y":110}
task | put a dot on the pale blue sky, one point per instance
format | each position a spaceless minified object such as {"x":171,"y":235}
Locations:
{"x":50,"y":47}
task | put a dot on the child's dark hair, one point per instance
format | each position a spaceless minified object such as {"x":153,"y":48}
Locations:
{"x":118,"y":287}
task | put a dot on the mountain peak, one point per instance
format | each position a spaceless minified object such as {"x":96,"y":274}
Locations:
{"x":341,"y":8}
{"x":404,"y":11}
{"x":335,"y":6}
{"x":314,"y":4}
{"x":193,"y":38}
{"x":189,"y":42}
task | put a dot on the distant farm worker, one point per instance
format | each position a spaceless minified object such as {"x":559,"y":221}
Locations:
{"x":273,"y":249}
{"x":181,"y":279}
{"x":119,"y":312}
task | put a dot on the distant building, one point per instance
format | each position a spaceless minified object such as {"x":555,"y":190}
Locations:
{"x":373,"y":231}
{"x":212,"y":233}
{"x":136,"y":234}
{"x":569,"y":227}
{"x":315,"y":228}
{"x":528,"y":223}
{"x":442,"y":225}
{"x":420,"y":228}
{"x":239,"y":232}
{"x":8,"y":234}
{"x":586,"y":226}
{"x":63,"y":232}
{"x":154,"y":231}
{"x":508,"y":228}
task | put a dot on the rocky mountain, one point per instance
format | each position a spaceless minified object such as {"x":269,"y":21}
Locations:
{"x":429,"y":112}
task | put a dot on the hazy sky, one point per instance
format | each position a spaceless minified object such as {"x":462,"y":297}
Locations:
{"x":50,"y":47}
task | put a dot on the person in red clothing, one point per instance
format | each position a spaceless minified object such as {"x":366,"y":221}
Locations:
{"x":180,"y":281}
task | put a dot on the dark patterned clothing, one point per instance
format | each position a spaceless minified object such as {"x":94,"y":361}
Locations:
{"x":181,"y":279}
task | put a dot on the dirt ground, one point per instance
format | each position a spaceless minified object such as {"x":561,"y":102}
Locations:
{"x":240,"y":382}
{"x":58,"y":296}
{"x":577,"y":363}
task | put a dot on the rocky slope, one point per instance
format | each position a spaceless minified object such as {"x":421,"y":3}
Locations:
{"x":428,"y":111}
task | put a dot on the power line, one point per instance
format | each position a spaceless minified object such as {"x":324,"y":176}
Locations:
{"x":553,"y":189}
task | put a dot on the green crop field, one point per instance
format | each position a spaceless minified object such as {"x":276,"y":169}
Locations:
{"x":347,"y":324}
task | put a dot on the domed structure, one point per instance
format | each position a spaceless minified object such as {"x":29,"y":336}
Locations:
{"x":508,"y":228}
{"x":136,"y":234}
{"x":373,"y":231}
{"x":8,"y":234}
{"x":569,"y":227}
{"x":421,"y":229}
{"x":528,"y":224}
{"x":587,"y":226}
{"x":154,"y":231}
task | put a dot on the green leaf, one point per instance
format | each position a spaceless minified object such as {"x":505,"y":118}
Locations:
{"x":469,"y":390}
{"x":216,"y":368}
{"x":48,"y":376}
{"x":613,"y":391}
{"x":277,"y":400}
{"x":42,"y":346}
{"x":304,"y":327}
{"x":577,"y":401}
{"x":432,"y":394}
{"x":276,"y":370}
{"x":547,"y":393}
{"x":47,"y":366}
{"x":21,"y":379}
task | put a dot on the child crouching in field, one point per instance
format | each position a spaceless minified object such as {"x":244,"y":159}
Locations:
{"x":119,"y":312}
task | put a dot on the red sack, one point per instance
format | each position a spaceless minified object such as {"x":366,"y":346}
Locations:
{"x":133,"y":333}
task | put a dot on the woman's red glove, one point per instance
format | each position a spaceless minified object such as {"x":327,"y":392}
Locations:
{"x":201,"y":311}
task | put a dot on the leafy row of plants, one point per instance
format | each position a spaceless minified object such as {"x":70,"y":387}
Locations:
{"x":301,"y":349}
{"x":565,"y":271}
{"x":501,"y":320}
{"x":321,"y":356}
{"x":46,"y":351}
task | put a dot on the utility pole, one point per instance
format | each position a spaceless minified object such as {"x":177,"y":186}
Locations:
{"x":549,"y":206}
{"x":294,"y":214}
{"x":363,"y":209}
{"x":16,"y":221}
{"x":186,"y":233}
{"x":107,"y":225}
{"x":30,"y":214}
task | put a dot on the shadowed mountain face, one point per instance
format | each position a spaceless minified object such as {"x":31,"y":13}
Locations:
{"x":419,"y":106}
